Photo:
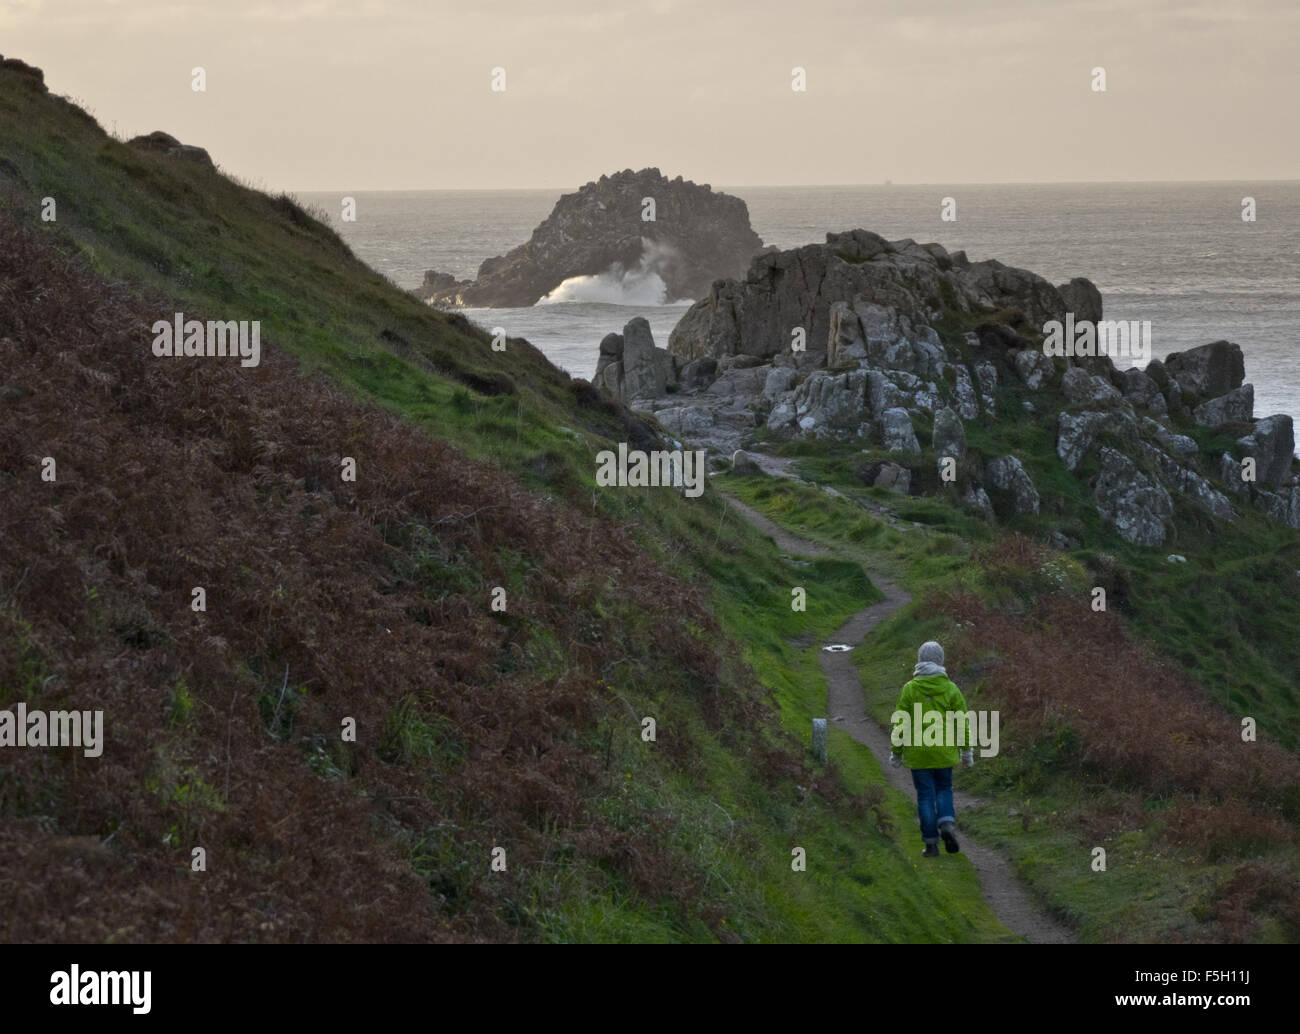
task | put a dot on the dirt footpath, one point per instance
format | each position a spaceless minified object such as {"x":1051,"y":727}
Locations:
{"x":846,"y":709}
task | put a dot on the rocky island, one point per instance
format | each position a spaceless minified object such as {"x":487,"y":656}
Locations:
{"x":687,"y":233}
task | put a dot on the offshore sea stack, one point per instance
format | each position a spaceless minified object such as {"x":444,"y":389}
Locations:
{"x":686,"y":233}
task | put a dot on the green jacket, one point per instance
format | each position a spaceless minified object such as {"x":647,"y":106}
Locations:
{"x":935,"y":693}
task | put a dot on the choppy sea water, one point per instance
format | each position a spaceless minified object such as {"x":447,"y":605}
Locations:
{"x":1178,"y":255}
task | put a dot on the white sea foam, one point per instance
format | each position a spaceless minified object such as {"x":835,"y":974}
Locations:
{"x":615,"y":286}
{"x":643,"y":284}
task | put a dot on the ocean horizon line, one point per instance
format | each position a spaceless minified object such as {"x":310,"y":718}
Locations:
{"x":812,"y":186}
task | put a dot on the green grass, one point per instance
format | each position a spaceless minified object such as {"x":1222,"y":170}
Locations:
{"x":1228,"y":616}
{"x":217,"y":249}
{"x":1149,"y":891}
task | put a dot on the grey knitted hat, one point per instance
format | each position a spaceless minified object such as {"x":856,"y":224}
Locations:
{"x":931,"y":652}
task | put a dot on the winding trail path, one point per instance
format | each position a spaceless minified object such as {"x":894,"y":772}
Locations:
{"x":846,"y":707}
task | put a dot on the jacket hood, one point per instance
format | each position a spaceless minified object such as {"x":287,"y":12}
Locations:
{"x":932,"y":685}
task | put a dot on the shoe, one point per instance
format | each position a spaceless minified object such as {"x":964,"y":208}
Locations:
{"x":949,"y":838}
{"x":931,"y":851}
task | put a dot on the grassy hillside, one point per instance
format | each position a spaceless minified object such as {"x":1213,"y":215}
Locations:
{"x":1120,"y":730}
{"x":369,"y":600}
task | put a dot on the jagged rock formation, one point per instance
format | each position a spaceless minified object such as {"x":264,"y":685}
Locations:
{"x":1270,"y":444}
{"x":901,"y":283}
{"x":695,"y":237}
{"x":1208,"y":371}
{"x":876,"y":370}
{"x":1133,"y":501}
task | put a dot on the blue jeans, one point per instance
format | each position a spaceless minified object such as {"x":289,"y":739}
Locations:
{"x":933,"y":800}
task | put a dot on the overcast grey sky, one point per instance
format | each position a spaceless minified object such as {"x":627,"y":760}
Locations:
{"x":396,"y":94}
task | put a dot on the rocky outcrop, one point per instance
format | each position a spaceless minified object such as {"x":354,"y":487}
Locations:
{"x":893,"y":478}
{"x":1081,"y":387}
{"x":1169,"y":388}
{"x":1208,"y":371}
{"x":1077,"y":432}
{"x":1272,"y":445}
{"x":883,"y":371}
{"x":1235,"y":407}
{"x":647,"y":369}
{"x":164,"y":143}
{"x":864,"y":331}
{"x":1132,"y":500}
{"x":829,"y":404}
{"x":1019,"y":289}
{"x":699,"y":374}
{"x":1082,"y":298}
{"x":949,"y":436}
{"x":1175,"y":444}
{"x":887,"y":475}
{"x":778,"y":381}
{"x":1143,"y":392}
{"x":885,"y":294}
{"x":1186,"y":481}
{"x":696,"y":236}
{"x":631,"y":367}
{"x":1008,"y":475}
{"x":888,"y":389}
{"x":897,"y":433}
{"x":1033,"y":368}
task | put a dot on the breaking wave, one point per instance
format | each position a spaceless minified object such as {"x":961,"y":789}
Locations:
{"x":640,"y":285}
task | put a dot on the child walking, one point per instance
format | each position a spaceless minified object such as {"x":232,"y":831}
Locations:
{"x":932,"y":766}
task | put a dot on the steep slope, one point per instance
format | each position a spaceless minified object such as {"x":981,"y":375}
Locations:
{"x":330,"y":601}
{"x":325,"y":600}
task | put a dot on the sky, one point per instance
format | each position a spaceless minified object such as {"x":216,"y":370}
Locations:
{"x":397,"y":94}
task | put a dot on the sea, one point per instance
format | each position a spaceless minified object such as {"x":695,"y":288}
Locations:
{"x":1176,"y":254}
